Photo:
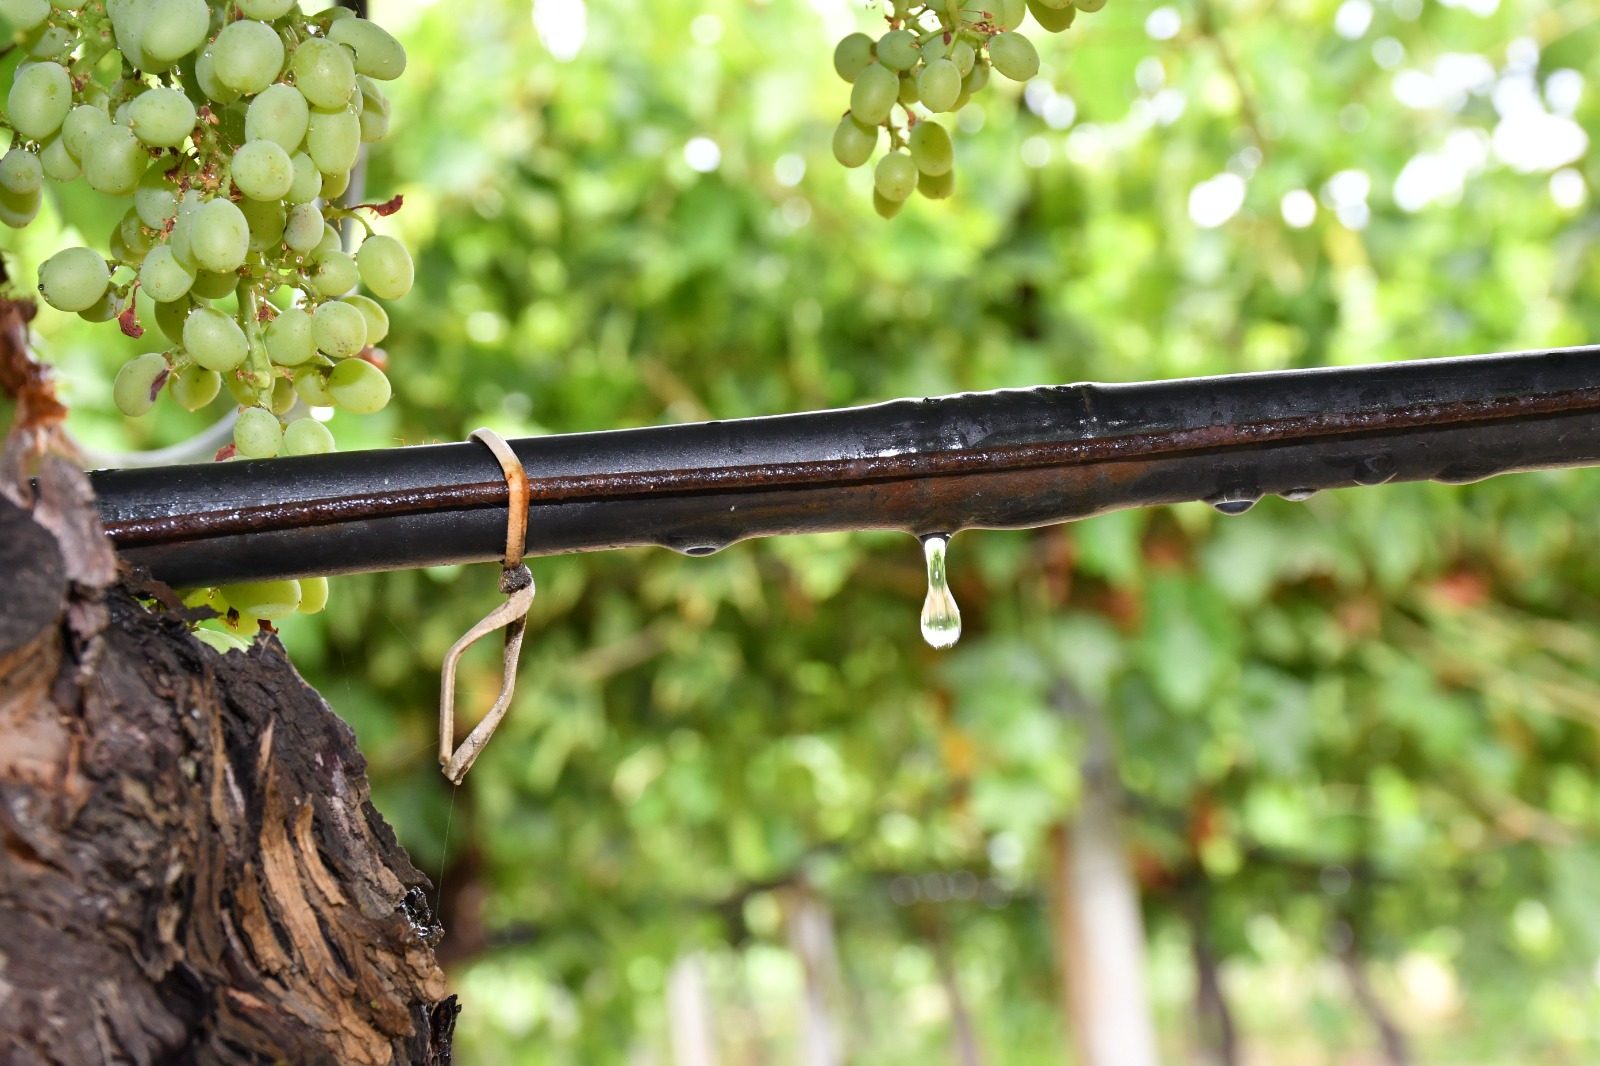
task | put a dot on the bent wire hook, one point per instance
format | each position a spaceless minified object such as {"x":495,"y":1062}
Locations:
{"x":516,"y":582}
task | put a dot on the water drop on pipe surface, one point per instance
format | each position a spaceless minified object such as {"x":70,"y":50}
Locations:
{"x":941,"y":618}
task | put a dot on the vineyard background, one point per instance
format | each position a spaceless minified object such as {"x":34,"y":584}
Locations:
{"x":1356,"y":735}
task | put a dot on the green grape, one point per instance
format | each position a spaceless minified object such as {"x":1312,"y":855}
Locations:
{"x":333,"y":273}
{"x":40,"y":98}
{"x":908,"y":89}
{"x":386,"y":267}
{"x":897,"y":50}
{"x":24,"y":15}
{"x":214,"y":340}
{"x":931,"y":149}
{"x":104,"y":309}
{"x":374,"y":111}
{"x":163,"y":277}
{"x":219,"y":237}
{"x":279,"y":114}
{"x":205,"y":76}
{"x":288,"y":338}
{"x":58,"y":162}
{"x":302,"y":230}
{"x":313,"y":590}
{"x":81,"y":123}
{"x":138,"y":383}
{"x":963,"y":56}
{"x":127,"y":19}
{"x":17,"y":211}
{"x":262,"y":170}
{"x":853,"y":143}
{"x":1053,"y":19}
{"x":265,"y":10}
{"x":976,"y":79}
{"x":262,"y":599}
{"x":50,"y":42}
{"x":114,"y":161}
{"x":209,"y":285}
{"x":886,"y":207}
{"x":334,"y":184}
{"x":266,"y":220}
{"x":1091,"y":6}
{"x":20,"y":172}
{"x":939,"y":85}
{"x":173,"y":28}
{"x":1014,"y":56}
{"x":307,"y":181}
{"x":377,"y":53}
{"x":257,"y":435}
{"x":358,"y":387}
{"x":874,"y":94}
{"x":1010,"y":13}
{"x":329,"y":242}
{"x":247,"y":56}
{"x":937,"y":186}
{"x":161,"y":118}
{"x":169,"y":318}
{"x":895,"y":176}
{"x":338,"y":330}
{"x":195,"y":386}
{"x":242,"y":389}
{"x":323,"y":73}
{"x":377,"y":318}
{"x":155,"y":200}
{"x":73,"y":278}
{"x":307,"y":436}
{"x":333,"y":140}
{"x":133,"y":235}
{"x":852,"y":55}
{"x":283,"y":396}
{"x":311,"y":382}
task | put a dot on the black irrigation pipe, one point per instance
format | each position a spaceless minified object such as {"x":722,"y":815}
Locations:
{"x":998,"y":460}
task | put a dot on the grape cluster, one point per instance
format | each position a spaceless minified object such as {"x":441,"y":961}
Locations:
{"x":936,"y":55}
{"x":230,"y":127}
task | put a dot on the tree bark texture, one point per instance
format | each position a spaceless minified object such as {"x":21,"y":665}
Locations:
{"x":191,"y":869}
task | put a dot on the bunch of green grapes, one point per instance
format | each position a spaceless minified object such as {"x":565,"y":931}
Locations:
{"x":229,"y":127}
{"x":936,"y":55}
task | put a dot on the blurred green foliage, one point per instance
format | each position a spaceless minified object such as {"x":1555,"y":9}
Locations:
{"x":1368,"y":719}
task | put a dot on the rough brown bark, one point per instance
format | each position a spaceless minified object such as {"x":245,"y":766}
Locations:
{"x":191,"y":870}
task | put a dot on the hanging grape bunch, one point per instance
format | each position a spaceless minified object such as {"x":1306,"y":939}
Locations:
{"x":933,"y":56}
{"x":230,"y":128}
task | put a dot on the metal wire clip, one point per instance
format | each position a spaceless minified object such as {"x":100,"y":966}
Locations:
{"x":516,"y":583}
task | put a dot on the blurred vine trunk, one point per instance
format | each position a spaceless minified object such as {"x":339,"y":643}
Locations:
{"x":689,"y":1018}
{"x":1099,"y":931}
{"x":810,"y":927}
{"x":191,"y":869}
{"x":962,"y":1032}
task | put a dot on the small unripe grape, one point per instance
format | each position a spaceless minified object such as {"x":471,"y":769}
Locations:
{"x":1014,"y":56}
{"x":73,"y":278}
{"x":263,"y":599}
{"x":937,"y":186}
{"x":886,"y":207}
{"x":1091,"y":6}
{"x":114,"y":161}
{"x":307,"y":436}
{"x":895,"y":176}
{"x":377,"y":53}
{"x":311,"y":382}
{"x":908,"y":89}
{"x":386,"y":267}
{"x":334,"y":185}
{"x":49,"y":42}
{"x":104,"y":309}
{"x":374,"y":112}
{"x":39,"y":101}
{"x":205,"y":74}
{"x":163,"y":277}
{"x":851,"y":56}
{"x":897,"y":50}
{"x":329,"y":242}
{"x":161,"y":118}
{"x":81,"y":123}
{"x":283,"y":396}
{"x":265,"y":10}
{"x":288,"y":338}
{"x":338,"y":330}
{"x":57,"y":162}
{"x":377,"y":318}
{"x":220,"y":236}
{"x":242,"y":389}
{"x":313,"y":590}
{"x":24,"y":15}
{"x":266,"y":219}
{"x":853,"y":143}
{"x":323,"y":73}
{"x":939,"y":85}
{"x":358,"y":387}
{"x":138,"y":384}
{"x":279,"y":114}
{"x":302,"y":229}
{"x":17,"y":211}
{"x":214,"y":340}
{"x":195,"y":387}
{"x":262,"y":170}
{"x":976,"y":79}
{"x":258,"y":435}
{"x":333,"y":273}
{"x":169,"y":319}
{"x":307,"y":180}
{"x":874,"y":94}
{"x":1010,"y":13}
{"x":247,"y":56}
{"x":963,"y":56}
{"x":20,"y":172}
{"x":209,"y":285}
{"x":931,"y":149}
{"x":156,"y":199}
{"x":333,"y":140}
{"x":173,"y":28}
